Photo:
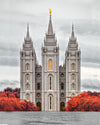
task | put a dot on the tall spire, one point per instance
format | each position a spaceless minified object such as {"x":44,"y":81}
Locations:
{"x":28,"y":44}
{"x":72,"y":38}
{"x":27,"y":35}
{"x":72,"y":30}
{"x":27,"y":38}
{"x":50,"y":29}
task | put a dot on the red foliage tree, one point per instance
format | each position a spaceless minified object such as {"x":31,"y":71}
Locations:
{"x":86,"y":101}
{"x":10,"y":101}
{"x":14,"y":104}
{"x":15,"y":91}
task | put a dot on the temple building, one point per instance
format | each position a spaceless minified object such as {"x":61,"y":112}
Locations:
{"x":48,"y":85}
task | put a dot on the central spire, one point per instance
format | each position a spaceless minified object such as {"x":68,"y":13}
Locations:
{"x":50,"y":29}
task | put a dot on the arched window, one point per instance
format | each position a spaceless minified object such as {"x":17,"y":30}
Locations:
{"x":27,"y":67}
{"x":62,"y":105}
{"x":73,"y":86}
{"x":73,"y":66}
{"x":62,"y":86}
{"x":73,"y":77}
{"x":28,"y":96}
{"x":27,"y":86}
{"x":50,"y":80}
{"x":50,"y":64}
{"x":50,"y":102}
{"x":27,"y":77}
{"x":38,"y":86}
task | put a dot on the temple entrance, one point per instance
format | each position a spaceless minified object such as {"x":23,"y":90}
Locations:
{"x":38,"y":106}
{"x":62,"y":105}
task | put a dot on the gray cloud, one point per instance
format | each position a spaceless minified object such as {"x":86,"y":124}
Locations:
{"x":90,"y":84}
{"x":90,"y":64}
{"x":9,"y":61}
{"x":9,"y":83}
{"x":82,"y":27}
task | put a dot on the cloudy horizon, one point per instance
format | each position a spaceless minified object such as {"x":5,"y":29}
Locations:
{"x":84,"y":14}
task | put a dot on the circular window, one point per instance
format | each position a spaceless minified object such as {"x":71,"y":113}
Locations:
{"x":38,"y":94}
{"x":62,"y":74}
{"x":62,"y":94}
{"x":38,"y":75}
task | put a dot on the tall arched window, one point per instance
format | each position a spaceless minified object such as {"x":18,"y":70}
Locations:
{"x":50,"y":81}
{"x":27,"y":67}
{"x":28,"y":96}
{"x":27,"y":77}
{"x":73,"y":86}
{"x":73,"y":77}
{"x":50,"y":64}
{"x":62,"y":85}
{"x":73,"y":66}
{"x":27,"y":86}
{"x":50,"y":102}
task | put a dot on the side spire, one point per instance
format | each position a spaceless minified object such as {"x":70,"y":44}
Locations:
{"x":72,"y":30}
{"x":27,"y":35}
{"x":27,"y":38}
{"x":50,"y":29}
{"x":72,"y":38}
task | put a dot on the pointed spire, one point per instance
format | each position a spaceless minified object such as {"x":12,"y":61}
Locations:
{"x":72,"y":30}
{"x":50,"y":29}
{"x":72,"y":38}
{"x":27,"y":35}
{"x":27,"y":38}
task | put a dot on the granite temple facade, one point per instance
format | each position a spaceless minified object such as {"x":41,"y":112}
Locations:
{"x":49,"y":84}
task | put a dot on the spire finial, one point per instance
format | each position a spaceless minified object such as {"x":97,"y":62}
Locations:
{"x":50,"y":11}
{"x":50,"y":29}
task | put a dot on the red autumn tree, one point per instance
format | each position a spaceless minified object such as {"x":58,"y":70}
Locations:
{"x":86,"y":101}
{"x":14,"y":104}
{"x":10,"y":101}
{"x":15,"y":91}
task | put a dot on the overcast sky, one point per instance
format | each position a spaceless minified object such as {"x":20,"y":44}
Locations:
{"x":15,"y":14}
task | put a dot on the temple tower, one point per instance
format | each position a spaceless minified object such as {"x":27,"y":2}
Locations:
{"x":27,"y":69}
{"x":72,"y":62}
{"x":50,"y":71}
